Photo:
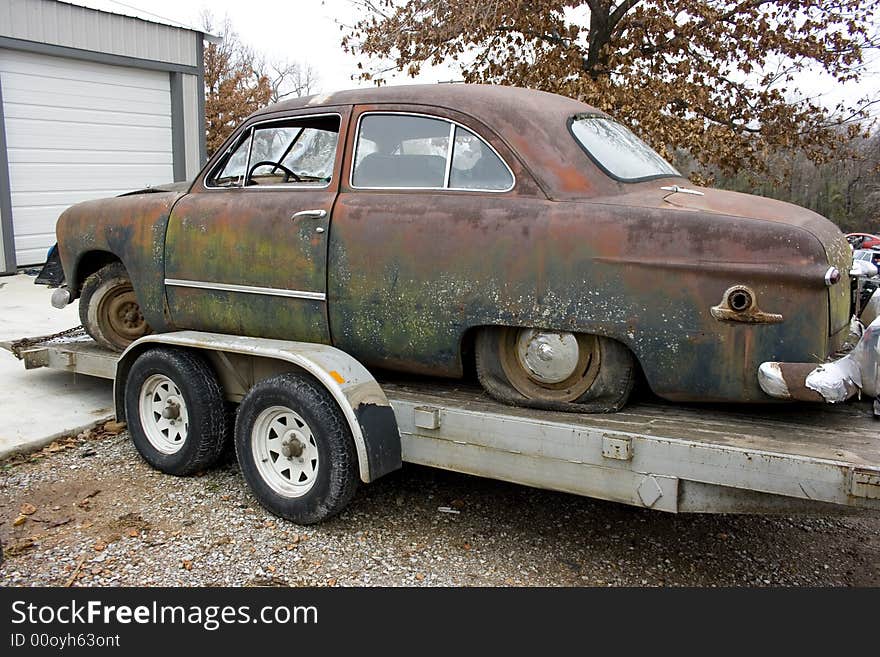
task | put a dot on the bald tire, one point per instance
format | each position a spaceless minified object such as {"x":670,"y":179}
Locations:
{"x":100,"y":286}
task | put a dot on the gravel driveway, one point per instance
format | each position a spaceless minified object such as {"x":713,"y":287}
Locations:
{"x":88,"y":511}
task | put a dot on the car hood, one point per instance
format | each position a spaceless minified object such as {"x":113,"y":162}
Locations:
{"x":167,"y":187}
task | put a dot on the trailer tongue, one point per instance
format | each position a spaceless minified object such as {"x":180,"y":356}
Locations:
{"x":790,"y":459}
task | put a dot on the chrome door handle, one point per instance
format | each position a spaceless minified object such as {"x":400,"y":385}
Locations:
{"x":310,"y":214}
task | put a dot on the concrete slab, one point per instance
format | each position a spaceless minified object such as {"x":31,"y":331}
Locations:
{"x":38,"y":406}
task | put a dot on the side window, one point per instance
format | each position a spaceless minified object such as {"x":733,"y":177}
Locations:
{"x":475,"y":165}
{"x":230,"y":171}
{"x":402,"y":151}
{"x":295,"y":152}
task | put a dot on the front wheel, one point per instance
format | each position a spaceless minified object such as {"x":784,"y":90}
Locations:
{"x":554,"y":370}
{"x":109,"y":310}
{"x":295,"y":449}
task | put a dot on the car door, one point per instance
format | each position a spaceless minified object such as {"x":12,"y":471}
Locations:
{"x":246,"y":250}
{"x":430,"y":230}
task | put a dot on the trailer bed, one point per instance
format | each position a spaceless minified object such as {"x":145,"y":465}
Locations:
{"x":774,"y":458}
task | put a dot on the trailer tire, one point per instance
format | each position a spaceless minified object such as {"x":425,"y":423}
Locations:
{"x":295,"y":449}
{"x":175,"y":411}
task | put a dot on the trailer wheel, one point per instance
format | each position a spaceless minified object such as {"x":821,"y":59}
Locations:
{"x":109,"y":309}
{"x":295,"y":449}
{"x":175,"y":411}
{"x":554,"y":370}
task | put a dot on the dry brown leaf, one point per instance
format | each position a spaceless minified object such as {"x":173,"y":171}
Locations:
{"x":114,"y":427}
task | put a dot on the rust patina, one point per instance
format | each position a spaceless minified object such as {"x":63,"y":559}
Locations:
{"x":409,"y":274}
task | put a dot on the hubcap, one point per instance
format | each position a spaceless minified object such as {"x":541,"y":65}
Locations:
{"x":285,"y":451}
{"x":547,"y":356}
{"x":164,"y":418}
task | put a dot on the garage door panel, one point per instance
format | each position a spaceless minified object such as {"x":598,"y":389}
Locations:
{"x":63,"y":199}
{"x":64,"y":87}
{"x":30,"y":64}
{"x":85,"y":156}
{"x":62,"y":134}
{"x":83,"y":116}
{"x":30,"y":177}
{"x":31,"y":248}
{"x":77,"y":131}
{"x":41,"y":219}
{"x":156,"y":104}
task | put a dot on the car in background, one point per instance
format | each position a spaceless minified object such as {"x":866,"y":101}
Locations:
{"x":862,"y":240}
{"x":867,"y":255}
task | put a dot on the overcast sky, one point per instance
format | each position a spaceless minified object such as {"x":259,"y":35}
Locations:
{"x":308,"y":30}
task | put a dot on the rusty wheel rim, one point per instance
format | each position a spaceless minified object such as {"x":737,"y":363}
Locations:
{"x":566,"y":382}
{"x":121,"y":313}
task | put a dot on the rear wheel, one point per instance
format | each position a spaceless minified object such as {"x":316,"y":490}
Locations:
{"x":109,"y":310}
{"x":554,"y":370}
{"x":295,"y":449}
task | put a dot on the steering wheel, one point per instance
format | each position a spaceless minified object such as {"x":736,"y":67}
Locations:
{"x":288,"y":174}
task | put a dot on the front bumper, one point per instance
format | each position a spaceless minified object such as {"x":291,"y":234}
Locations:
{"x":856,"y":373}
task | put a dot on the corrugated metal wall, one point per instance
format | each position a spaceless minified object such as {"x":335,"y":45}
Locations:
{"x":58,"y":23}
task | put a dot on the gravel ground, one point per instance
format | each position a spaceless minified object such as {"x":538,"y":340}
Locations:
{"x":89,"y":512}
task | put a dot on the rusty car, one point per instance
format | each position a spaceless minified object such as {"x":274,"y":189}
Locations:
{"x":435,"y":229}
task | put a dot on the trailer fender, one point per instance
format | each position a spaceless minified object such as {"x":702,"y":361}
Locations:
{"x":360,"y":397}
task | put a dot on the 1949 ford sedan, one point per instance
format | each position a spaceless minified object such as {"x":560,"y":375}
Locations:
{"x":420,"y":227}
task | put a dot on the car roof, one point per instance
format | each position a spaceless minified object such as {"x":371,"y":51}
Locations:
{"x":474,"y":99}
{"x":534,"y":125}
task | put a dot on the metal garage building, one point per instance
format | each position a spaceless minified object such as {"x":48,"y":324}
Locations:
{"x":92,"y":104}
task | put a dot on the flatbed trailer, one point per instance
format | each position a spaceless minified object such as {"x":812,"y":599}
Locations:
{"x":784,"y":458}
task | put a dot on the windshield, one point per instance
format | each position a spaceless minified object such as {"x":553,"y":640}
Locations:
{"x":617,"y":150}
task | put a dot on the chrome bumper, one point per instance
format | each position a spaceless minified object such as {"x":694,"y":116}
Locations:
{"x":856,"y":373}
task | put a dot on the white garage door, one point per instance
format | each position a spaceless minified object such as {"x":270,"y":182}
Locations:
{"x":75,"y":131}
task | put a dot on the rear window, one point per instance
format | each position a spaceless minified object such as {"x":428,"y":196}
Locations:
{"x":617,"y":150}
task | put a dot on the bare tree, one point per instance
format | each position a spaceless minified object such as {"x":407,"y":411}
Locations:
{"x":239,"y":81}
{"x":289,"y":79}
{"x":234,"y":88}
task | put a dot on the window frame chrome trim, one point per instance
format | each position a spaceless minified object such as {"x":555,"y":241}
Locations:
{"x":449,"y":151}
{"x":454,"y":124}
{"x":247,"y":289}
{"x":251,"y":128}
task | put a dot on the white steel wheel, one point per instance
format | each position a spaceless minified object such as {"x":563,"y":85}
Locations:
{"x":163,"y":414}
{"x":295,"y":448}
{"x":285,"y":451}
{"x":175,"y":410}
